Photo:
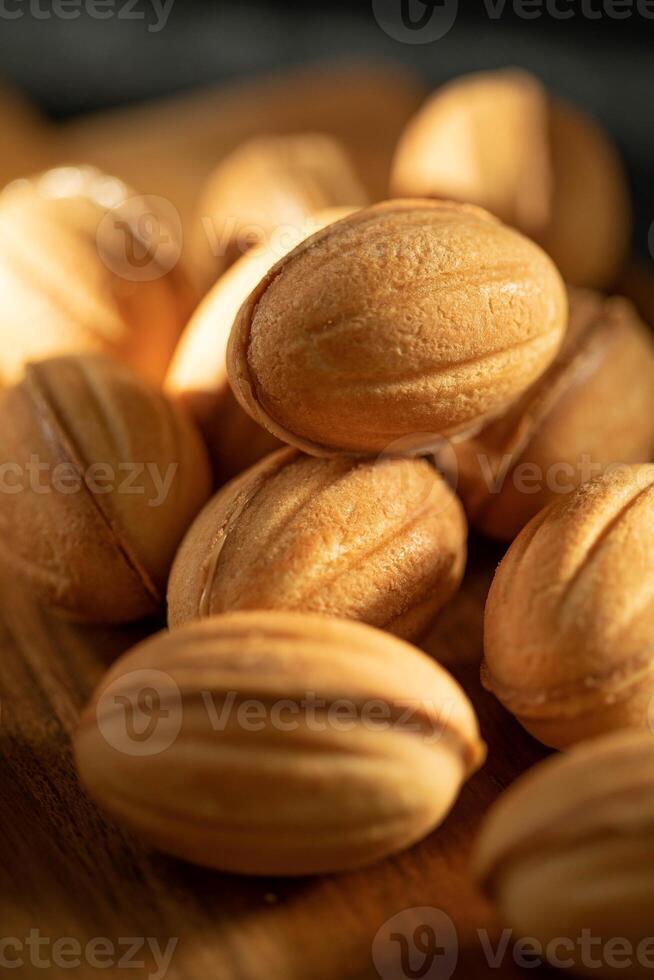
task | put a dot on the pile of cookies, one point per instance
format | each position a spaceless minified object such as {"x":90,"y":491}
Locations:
{"x":284,"y":431}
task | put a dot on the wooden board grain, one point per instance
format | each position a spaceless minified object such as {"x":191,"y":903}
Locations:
{"x":69,"y":873}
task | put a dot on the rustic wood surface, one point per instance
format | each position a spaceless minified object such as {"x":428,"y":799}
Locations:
{"x":66,"y":871}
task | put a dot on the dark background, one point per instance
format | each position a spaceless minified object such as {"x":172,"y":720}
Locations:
{"x":76,"y":65}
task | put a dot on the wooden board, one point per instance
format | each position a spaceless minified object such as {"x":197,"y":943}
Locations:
{"x":69,"y":873}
